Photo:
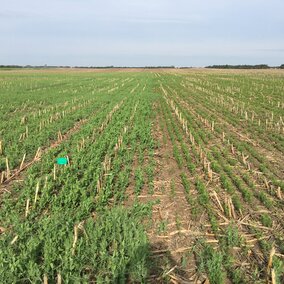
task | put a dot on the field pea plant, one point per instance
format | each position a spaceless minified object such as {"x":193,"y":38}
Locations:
{"x":173,"y":176}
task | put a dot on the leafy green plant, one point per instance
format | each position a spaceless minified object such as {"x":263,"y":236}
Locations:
{"x":232,"y":237}
{"x":139,"y":179}
{"x":266,"y":220}
{"x":210,"y":262}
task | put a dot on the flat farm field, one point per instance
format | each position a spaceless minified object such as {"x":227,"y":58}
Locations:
{"x":165,"y":176}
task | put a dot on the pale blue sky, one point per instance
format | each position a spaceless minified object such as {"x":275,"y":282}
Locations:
{"x":141,"y":32}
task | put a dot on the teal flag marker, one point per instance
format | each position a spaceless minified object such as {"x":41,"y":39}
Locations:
{"x":62,"y":161}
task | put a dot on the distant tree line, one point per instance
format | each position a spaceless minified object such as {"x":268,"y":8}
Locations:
{"x":258,"y":66}
{"x":32,"y":66}
{"x":88,"y":67}
{"x":11,"y":66}
{"x":125,"y":67}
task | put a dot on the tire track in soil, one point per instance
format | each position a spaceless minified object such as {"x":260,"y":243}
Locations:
{"x":172,"y":232}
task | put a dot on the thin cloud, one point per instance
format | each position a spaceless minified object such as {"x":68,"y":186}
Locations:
{"x":130,"y":32}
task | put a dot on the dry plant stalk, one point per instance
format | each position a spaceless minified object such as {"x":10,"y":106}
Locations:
{"x":206,"y":281}
{"x":2,"y":177}
{"x":99,"y":185}
{"x":269,"y":269}
{"x":14,"y":240}
{"x":75,"y":239}
{"x":212,"y":126}
{"x":45,"y":279}
{"x":23,"y":160}
{"x":218,"y":200}
{"x":38,"y":153}
{"x":7,"y":168}
{"x":270,"y":260}
{"x":54,"y":172}
{"x":232,"y":149}
{"x":248,"y":166}
{"x":210,"y":172}
{"x":23,"y":120}
{"x":36,"y":193}
{"x":278,"y":193}
{"x":231,"y":208}
{"x":273,"y":276}
{"x":59,"y":136}
{"x":204,"y":163}
{"x":266,"y":183}
{"x":1,"y":148}
{"x":244,"y":158}
{"x":27,"y":207}
{"x":59,"y":278}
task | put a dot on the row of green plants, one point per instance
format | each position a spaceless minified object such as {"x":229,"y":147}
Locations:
{"x":251,"y":124}
{"x":67,"y":222}
{"x":243,"y":147}
{"x":233,"y":181}
{"x":40,"y":127}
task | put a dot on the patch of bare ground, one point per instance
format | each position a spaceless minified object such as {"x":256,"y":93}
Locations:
{"x":172,"y":231}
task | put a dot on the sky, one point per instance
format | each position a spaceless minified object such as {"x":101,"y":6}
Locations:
{"x":141,"y":32}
